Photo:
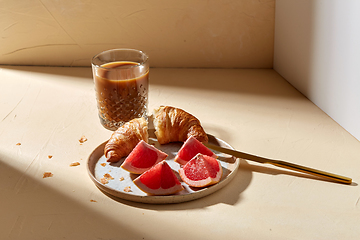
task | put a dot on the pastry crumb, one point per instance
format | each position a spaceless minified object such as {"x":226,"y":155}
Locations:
{"x":18,"y":144}
{"x":92,"y":200}
{"x":108,"y":176}
{"x":74,"y":164}
{"x":103,"y":164}
{"x":127,"y":189}
{"x":104,"y":180}
{"x":47,"y":174}
{"x":122,"y":179}
{"x":82,"y":139}
{"x":50,"y":156}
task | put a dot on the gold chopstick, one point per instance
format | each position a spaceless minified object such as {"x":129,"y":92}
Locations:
{"x":282,"y":164}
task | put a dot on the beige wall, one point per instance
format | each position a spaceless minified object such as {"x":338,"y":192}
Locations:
{"x":227,"y":33}
{"x":319,"y":54}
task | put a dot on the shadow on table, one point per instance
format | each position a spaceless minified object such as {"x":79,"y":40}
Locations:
{"x":267,"y":169}
{"x":230,"y":194}
{"x":77,"y":72}
{"x":32,"y":209}
{"x":265,"y":82}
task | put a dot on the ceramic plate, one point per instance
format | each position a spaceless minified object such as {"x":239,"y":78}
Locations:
{"x":123,"y":181}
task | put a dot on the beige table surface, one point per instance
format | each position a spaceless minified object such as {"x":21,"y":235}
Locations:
{"x":48,"y":109}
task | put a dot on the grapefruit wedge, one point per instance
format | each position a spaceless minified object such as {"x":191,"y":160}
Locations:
{"x":159,"y":180}
{"x":201,"y":171}
{"x":190,"y":149}
{"x":142,"y":158}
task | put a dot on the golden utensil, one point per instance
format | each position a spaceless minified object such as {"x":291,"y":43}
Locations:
{"x":282,"y":164}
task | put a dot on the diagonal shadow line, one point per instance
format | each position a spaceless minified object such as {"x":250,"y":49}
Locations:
{"x":240,"y":81}
{"x":30,"y":208}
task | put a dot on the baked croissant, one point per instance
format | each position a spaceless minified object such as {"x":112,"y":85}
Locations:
{"x":125,"y":138}
{"x":175,"y":125}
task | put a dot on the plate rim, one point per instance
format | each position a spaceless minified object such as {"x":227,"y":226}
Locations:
{"x":168,"y":199}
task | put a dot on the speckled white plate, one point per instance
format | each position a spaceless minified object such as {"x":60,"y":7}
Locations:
{"x":98,"y":167}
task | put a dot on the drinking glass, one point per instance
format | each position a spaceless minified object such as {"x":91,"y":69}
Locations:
{"x":121,"y":78}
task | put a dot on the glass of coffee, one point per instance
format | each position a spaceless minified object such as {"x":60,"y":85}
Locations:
{"x":121,"y":78}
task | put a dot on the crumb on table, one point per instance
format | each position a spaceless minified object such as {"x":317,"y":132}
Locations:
{"x":74,"y":164}
{"x":82,"y":139}
{"x":47,"y":174}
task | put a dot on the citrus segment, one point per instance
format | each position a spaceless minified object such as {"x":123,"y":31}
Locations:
{"x":190,"y":149}
{"x":201,"y":171}
{"x":142,"y":158}
{"x":159,"y":180}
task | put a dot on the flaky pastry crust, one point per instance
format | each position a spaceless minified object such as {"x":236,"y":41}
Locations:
{"x":176,"y":125}
{"x":125,"y":138}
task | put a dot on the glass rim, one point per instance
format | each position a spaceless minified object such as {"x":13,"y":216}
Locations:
{"x":119,"y":49}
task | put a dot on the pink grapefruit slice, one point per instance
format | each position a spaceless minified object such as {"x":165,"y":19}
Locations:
{"x":159,"y":180}
{"x":142,"y":158}
{"x":190,"y":149}
{"x":201,"y":171}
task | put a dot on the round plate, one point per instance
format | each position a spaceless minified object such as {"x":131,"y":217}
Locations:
{"x":119,"y":181}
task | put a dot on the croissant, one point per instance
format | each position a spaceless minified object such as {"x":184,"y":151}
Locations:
{"x":125,"y":138}
{"x":176,"y":125}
